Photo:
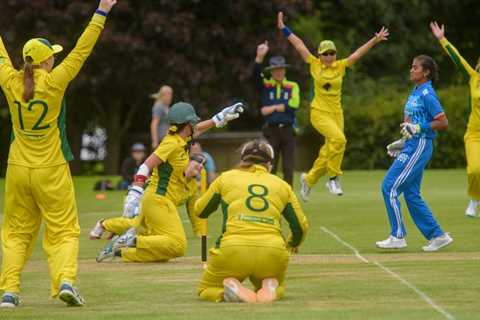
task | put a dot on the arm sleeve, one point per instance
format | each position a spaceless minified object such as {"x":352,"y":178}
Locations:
{"x":6,"y":67}
{"x":257,"y":77}
{"x":311,"y":59}
{"x":156,"y":111}
{"x":432,"y":104}
{"x":199,"y":225}
{"x":71,"y":65}
{"x":165,"y":148}
{"x":297,"y":221}
{"x":209,"y":201}
{"x":294,"y":101}
{"x":459,"y":61}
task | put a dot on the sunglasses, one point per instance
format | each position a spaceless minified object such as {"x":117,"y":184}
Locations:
{"x":329,"y":53}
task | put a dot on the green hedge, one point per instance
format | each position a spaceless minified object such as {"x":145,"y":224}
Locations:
{"x":372,"y":121}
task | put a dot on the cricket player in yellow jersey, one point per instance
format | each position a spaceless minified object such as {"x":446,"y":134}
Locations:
{"x":253,"y":202}
{"x":38,"y":181}
{"x":156,"y":233}
{"x":472,"y":136}
{"x":326,"y":114}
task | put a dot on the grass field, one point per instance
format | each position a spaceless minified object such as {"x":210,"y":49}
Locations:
{"x":328,"y":280}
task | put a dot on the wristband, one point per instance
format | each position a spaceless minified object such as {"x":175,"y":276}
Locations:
{"x":286,"y":31}
{"x":101,"y":12}
{"x":139,"y":178}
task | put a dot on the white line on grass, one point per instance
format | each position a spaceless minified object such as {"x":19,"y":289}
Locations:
{"x":422,"y":295}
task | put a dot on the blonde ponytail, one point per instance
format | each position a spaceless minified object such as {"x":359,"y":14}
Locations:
{"x":28,"y":81}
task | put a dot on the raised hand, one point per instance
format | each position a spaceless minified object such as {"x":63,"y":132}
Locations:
{"x":262,"y":50}
{"x":280,"y":23}
{"x":438,"y":32}
{"x":382,"y":35}
{"x":106,"y":5}
{"x":227,"y":114}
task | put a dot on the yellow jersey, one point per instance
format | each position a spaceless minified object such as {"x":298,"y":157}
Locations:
{"x":39,"y":134}
{"x":253,"y":201}
{"x":462,"y":64}
{"x":168,"y":179}
{"x":327,"y":84}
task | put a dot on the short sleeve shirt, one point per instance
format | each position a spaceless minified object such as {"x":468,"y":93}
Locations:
{"x":161,"y":111}
{"x":327,"y":84}
{"x":422,"y":107}
{"x":168,"y":178}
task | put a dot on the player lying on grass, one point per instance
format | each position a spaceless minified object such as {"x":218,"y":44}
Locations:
{"x":156,"y":233}
{"x":253,"y":202}
{"x":38,"y":182}
{"x":326,"y":111}
{"x":423,"y":116}
{"x":472,"y":136}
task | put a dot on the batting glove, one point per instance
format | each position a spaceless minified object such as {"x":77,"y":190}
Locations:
{"x":228,"y":114}
{"x":394,"y":148}
{"x":409,"y":129}
{"x":132,"y":203}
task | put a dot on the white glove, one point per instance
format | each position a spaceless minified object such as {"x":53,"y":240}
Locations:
{"x":394,"y":148}
{"x":227,"y":114}
{"x":409,"y":129}
{"x":132,"y":202}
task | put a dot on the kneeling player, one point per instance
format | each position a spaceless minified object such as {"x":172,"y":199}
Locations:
{"x":251,"y":246}
{"x":156,"y":233}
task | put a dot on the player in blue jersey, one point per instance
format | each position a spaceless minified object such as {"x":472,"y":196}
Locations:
{"x":423,"y":116}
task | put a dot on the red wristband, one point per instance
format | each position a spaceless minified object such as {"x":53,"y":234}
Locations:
{"x":139,"y":178}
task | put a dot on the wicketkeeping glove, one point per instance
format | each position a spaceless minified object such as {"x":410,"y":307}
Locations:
{"x":132,"y":203}
{"x":227,"y":114}
{"x":409,"y":129}
{"x":394,"y":148}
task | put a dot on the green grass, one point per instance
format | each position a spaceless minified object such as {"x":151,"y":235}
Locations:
{"x":326,"y":281}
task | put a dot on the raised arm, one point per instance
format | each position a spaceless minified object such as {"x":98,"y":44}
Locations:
{"x":71,"y":65}
{"x":262,"y":50}
{"x":460,"y":62}
{"x":220,"y":119}
{"x":293,"y":39}
{"x":6,"y":67}
{"x":380,"y":36}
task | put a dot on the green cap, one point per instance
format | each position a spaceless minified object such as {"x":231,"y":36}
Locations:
{"x":326,"y":45}
{"x":182,"y":112}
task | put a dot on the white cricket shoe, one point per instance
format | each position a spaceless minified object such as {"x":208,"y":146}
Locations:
{"x":97,"y":231}
{"x":304,"y":189}
{"x":471,"y":210}
{"x":392,"y":243}
{"x":333,"y":185}
{"x":438,"y":242}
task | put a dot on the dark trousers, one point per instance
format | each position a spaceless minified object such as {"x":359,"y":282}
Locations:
{"x":282,"y":139}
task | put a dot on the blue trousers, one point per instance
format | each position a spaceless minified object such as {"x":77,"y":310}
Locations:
{"x":405,"y":176}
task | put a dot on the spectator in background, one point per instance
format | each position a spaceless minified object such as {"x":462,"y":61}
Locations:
{"x":159,"y":125}
{"x":131,"y":164}
{"x":208,"y":166}
{"x":280,"y":101}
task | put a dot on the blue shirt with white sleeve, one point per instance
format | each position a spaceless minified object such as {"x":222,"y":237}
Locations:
{"x":422,"y":107}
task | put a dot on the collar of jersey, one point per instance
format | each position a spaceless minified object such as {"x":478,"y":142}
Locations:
{"x":334,"y":65}
{"x":424,"y":85}
{"x":259,"y":167}
{"x":181,"y":141}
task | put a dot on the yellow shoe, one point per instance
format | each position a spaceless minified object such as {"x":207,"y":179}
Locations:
{"x":268,"y":292}
{"x":234,"y":291}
